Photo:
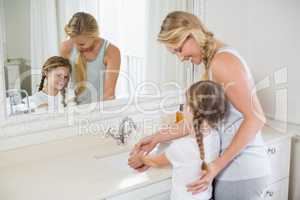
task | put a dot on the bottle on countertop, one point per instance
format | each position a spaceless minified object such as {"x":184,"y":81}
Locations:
{"x":179,"y":114}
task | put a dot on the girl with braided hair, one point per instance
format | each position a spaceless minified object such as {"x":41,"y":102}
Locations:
{"x":207,"y":103}
{"x":52,"y":93}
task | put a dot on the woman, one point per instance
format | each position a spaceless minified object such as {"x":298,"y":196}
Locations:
{"x":243,"y":168}
{"x":96,"y":62}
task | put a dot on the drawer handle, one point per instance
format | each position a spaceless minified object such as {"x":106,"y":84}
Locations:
{"x":269,"y":193}
{"x":271,"y":150}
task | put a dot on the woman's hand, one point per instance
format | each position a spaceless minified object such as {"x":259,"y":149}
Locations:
{"x":205,"y":180}
{"x":145,"y":145}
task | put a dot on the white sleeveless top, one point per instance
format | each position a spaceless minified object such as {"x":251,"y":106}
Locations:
{"x":253,"y":161}
{"x":53,"y":103}
{"x":184,"y":155}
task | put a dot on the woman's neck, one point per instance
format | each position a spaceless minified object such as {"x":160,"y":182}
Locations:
{"x":95,"y":46}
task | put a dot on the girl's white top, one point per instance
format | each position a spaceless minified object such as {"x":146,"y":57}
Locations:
{"x":54,"y":103}
{"x":184,"y":155}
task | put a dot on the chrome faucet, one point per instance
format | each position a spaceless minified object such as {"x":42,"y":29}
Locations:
{"x":126,"y":127}
{"x":18,"y":102}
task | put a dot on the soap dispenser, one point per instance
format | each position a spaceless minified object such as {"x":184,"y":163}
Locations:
{"x":179,"y":114}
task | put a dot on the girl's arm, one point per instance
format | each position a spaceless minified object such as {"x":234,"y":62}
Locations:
{"x":156,"y":161}
{"x":147,"y":160}
{"x":112,"y":61}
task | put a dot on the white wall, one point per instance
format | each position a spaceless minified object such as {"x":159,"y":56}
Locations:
{"x":266,"y":33}
{"x":17,"y":21}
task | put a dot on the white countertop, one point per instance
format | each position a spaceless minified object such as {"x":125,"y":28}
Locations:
{"x":82,"y":167}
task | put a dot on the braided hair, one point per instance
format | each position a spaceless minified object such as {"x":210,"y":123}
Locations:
{"x":208,"y":103}
{"x":53,"y":63}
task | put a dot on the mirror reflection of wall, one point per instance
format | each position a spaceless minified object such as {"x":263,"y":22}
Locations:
{"x":131,"y":26}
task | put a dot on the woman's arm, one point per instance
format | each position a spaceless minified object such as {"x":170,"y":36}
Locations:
{"x":65,"y":49}
{"x":177,"y":130}
{"x":241,"y":93}
{"x":112,"y":60}
{"x":228,"y":71}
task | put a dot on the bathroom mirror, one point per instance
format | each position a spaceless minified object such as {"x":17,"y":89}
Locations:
{"x":32,"y":31}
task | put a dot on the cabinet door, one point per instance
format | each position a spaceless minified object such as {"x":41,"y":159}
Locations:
{"x":277,"y":191}
{"x":295,"y":172}
{"x":157,"y":191}
{"x":279,"y":153}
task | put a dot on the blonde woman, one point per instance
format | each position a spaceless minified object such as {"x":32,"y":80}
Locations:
{"x":96,"y":62}
{"x":243,"y":167}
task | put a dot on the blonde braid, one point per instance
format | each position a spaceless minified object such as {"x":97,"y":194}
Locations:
{"x":209,"y":50}
{"x":80,"y":75}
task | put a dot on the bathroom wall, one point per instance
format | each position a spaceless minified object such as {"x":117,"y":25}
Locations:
{"x":266,"y":33}
{"x":17,"y":25}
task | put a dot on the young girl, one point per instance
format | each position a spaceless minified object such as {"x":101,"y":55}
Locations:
{"x":52,"y":93}
{"x":207,"y":104}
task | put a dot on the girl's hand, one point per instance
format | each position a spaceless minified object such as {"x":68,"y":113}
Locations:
{"x":135,"y":160}
{"x":205,"y":180}
{"x":142,"y":168}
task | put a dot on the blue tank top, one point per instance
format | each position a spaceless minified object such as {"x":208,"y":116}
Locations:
{"x":95,"y":75}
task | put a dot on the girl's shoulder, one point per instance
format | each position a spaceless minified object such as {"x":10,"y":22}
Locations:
{"x":40,"y":95}
{"x":184,"y":145}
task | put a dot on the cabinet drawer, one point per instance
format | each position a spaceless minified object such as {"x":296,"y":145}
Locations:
{"x":279,"y":153}
{"x":277,"y":191}
{"x":153,"y":191}
{"x":163,"y":196}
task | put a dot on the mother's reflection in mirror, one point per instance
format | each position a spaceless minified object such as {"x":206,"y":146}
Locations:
{"x":95,"y":62}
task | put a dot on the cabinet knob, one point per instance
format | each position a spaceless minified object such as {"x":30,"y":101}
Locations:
{"x":271,"y":150}
{"x":269,"y":193}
